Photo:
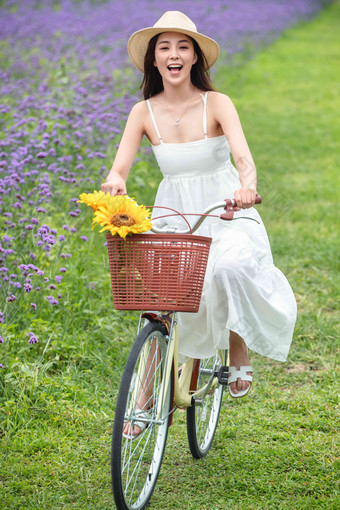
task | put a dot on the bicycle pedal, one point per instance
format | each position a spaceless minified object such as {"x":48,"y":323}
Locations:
{"x":222,"y":375}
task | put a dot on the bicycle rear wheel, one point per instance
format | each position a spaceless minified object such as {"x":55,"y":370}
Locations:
{"x":202,"y":418}
{"x":136,"y":458}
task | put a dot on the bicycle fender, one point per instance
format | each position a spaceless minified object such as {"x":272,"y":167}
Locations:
{"x":163,"y":319}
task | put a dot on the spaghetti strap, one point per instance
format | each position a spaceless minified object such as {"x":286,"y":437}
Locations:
{"x":153,"y":120}
{"x":204,"y":99}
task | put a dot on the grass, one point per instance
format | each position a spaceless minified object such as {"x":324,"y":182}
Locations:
{"x":276,"y":449}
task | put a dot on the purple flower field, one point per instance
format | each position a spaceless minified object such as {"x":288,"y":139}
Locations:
{"x":66,"y":88}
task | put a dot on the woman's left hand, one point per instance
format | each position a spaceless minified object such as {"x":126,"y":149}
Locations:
{"x":244,"y":197}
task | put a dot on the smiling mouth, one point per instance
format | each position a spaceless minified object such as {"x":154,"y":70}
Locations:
{"x":175,"y":68}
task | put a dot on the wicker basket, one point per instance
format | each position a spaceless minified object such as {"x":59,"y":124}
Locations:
{"x":158,"y":271}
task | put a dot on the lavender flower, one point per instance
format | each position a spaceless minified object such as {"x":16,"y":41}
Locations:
{"x":32,"y":338}
{"x":28,"y":287}
{"x":52,"y":300}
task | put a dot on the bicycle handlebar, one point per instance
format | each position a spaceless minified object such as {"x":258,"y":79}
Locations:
{"x":228,"y":205}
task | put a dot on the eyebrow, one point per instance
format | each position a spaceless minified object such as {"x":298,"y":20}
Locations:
{"x":181,"y":41}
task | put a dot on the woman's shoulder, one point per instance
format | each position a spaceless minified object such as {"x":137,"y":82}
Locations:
{"x":221,"y":105}
{"x":218,"y":98}
{"x":138,"y":113}
{"x":139,"y":108}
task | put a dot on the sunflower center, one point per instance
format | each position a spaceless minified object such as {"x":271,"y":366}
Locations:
{"x":122,"y":220}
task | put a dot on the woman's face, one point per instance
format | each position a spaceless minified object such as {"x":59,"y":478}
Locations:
{"x":174,"y":56}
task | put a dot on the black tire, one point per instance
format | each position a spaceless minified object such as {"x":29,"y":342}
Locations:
{"x":202,"y":419}
{"x":135,"y":463}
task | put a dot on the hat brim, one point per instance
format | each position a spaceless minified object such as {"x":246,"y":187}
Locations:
{"x":139,"y":41}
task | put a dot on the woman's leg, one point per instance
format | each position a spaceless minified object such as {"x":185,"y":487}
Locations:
{"x":238,"y":353}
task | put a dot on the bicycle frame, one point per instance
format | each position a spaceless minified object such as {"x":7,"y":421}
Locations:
{"x":183,"y":396}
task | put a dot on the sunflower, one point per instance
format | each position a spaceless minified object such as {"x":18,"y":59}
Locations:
{"x":121,"y":215}
{"x":95,"y":199}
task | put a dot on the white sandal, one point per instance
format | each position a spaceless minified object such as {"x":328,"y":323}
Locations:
{"x":242,"y":374}
{"x":145,"y":415}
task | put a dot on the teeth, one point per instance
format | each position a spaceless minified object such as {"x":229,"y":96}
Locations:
{"x":174,"y":66}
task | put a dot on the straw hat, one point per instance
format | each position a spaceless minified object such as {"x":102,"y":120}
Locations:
{"x":171,"y":21}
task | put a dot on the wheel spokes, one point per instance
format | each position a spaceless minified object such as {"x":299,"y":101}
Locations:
{"x":141,"y":455}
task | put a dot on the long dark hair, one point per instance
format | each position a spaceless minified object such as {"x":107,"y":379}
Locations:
{"x":152,"y":82}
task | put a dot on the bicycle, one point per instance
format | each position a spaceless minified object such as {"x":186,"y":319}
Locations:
{"x":164,"y":273}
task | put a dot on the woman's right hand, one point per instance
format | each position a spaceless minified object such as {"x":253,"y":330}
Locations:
{"x":114,"y":184}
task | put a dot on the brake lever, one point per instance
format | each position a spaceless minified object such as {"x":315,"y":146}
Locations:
{"x":229,"y":209}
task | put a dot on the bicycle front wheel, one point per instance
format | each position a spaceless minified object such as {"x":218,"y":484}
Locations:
{"x":141,"y":419}
{"x":202,"y":417}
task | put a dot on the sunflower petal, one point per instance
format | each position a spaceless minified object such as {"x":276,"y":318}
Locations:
{"x":106,"y":207}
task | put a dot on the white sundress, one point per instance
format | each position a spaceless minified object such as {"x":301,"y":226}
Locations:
{"x":243,"y":290}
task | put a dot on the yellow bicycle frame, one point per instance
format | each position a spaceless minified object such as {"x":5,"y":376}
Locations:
{"x":182,"y":395}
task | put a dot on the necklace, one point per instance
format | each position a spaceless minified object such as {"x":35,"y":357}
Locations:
{"x":177,"y":121}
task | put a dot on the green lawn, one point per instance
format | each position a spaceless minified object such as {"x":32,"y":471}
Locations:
{"x":279,"y":447}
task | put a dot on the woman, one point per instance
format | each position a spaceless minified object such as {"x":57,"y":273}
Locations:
{"x":246,"y":302}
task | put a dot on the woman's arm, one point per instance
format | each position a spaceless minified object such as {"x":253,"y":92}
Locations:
{"x":115,"y":182}
{"x":226,"y":115}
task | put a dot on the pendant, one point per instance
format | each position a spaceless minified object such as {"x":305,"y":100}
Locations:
{"x":177,"y":122}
